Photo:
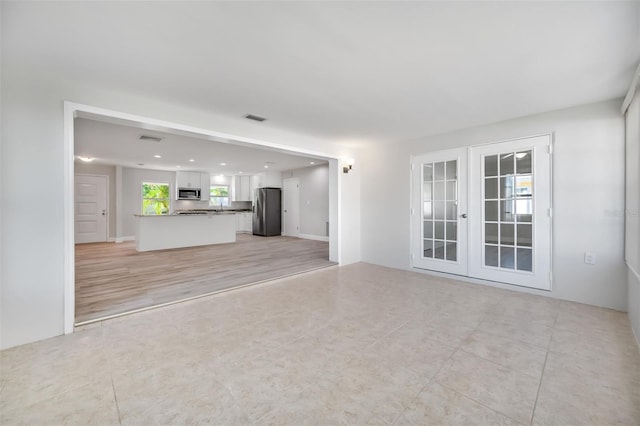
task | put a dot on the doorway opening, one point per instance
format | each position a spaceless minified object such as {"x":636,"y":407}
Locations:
{"x":240,"y":186}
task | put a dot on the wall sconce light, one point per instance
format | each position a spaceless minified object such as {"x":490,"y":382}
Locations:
{"x":348,"y":165}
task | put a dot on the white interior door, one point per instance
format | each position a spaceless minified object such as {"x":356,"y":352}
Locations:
{"x":497,"y":224}
{"x":510,"y":212}
{"x":438,"y":212}
{"x":90,"y":209}
{"x":291,"y":207}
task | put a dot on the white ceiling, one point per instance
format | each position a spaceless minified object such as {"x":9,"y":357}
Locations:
{"x":118,"y":144}
{"x":343,"y":71}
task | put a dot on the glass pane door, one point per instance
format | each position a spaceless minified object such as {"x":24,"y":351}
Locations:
{"x":440,"y":204}
{"x":508,"y":210}
{"x":436,"y":216}
{"x":510,"y":206}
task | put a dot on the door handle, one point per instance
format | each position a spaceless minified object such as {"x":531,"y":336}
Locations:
{"x":463,"y":215}
{"x":104,"y":212}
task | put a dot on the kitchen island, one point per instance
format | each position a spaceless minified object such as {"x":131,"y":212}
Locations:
{"x":184,"y":230}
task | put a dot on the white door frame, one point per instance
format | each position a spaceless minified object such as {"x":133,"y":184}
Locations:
{"x":459,"y":266}
{"x":284,"y":203}
{"x":73,"y":110}
{"x":541,"y":145}
{"x":473,"y":236}
{"x":108,"y":216}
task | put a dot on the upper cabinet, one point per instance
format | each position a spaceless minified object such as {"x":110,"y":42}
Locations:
{"x":268,"y":180}
{"x":205,"y":186}
{"x":242,"y":188}
{"x":188,"y":180}
{"x":194,"y":180}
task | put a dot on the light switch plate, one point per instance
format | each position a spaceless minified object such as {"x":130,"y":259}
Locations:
{"x":589,"y":258}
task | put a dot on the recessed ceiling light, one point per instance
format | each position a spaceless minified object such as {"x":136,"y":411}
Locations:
{"x":266,"y":166}
{"x":177,"y":167}
{"x":158,"y":156}
{"x":191,"y":160}
{"x":87,"y":159}
{"x":223,"y":164}
{"x":241,"y":172}
{"x":312,"y":162}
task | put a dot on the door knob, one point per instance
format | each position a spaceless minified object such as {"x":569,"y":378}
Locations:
{"x":104,"y":212}
{"x":463,"y":215}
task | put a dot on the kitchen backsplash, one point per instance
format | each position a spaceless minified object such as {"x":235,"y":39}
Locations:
{"x":241,"y":205}
{"x":190,"y":205}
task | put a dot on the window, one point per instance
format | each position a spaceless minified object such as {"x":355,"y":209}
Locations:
{"x":155,"y":198}
{"x":219,"y":195}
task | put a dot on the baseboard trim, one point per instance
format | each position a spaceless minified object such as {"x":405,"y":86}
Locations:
{"x":634,"y":274}
{"x":314,"y":237}
{"x":122,"y":239}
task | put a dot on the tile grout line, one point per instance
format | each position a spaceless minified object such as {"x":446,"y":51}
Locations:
{"x":476,"y":401}
{"x":535,"y":404}
{"x":113,"y":386}
{"x":431,"y":380}
{"x":477,"y":328}
{"x":459,"y":348}
{"x":553,"y":331}
{"x":397,"y":417}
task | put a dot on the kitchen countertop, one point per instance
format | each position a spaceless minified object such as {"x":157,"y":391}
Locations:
{"x":204,"y":212}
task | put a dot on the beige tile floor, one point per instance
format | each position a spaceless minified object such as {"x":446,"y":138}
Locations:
{"x":359,"y":344}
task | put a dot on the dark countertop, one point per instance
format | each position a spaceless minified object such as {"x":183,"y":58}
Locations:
{"x":196,"y":212}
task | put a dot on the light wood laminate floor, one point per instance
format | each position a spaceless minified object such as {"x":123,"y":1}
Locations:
{"x":115,"y":278}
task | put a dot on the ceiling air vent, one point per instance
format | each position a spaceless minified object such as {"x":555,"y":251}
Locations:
{"x":255,"y":117}
{"x":150,"y":138}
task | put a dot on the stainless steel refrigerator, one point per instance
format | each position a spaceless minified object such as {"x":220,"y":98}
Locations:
{"x":267,"y":215}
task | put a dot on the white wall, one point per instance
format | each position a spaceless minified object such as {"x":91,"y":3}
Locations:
{"x":632,"y":217}
{"x":633,"y":304}
{"x":350,"y":213}
{"x":32,"y":105}
{"x":314,"y":198}
{"x":105,"y":170}
{"x":588,"y":197}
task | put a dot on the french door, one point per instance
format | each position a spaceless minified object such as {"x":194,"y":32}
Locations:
{"x":497,"y":222}
{"x":439,"y":211}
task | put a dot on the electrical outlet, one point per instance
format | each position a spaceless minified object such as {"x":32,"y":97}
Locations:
{"x":589,"y":258}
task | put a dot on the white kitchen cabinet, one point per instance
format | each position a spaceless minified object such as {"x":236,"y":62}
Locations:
{"x":242,"y":188}
{"x":188,"y":180}
{"x":256,"y":181}
{"x":244,"y":222}
{"x":267,"y":180}
{"x":205,"y":186}
{"x":248,"y":221}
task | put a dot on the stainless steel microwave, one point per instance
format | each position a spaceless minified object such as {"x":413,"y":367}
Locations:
{"x":188,"y":194}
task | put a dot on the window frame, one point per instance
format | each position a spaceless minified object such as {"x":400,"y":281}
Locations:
{"x":216,"y":197}
{"x":143,"y":198}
